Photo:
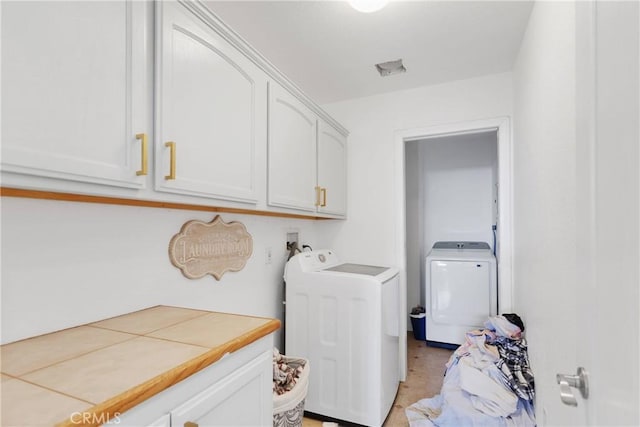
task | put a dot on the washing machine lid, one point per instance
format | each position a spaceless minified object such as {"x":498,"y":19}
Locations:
{"x":368,"y":270}
{"x":377,"y":274}
{"x":461,"y":254}
{"x":461,"y":245}
{"x":326,"y":262}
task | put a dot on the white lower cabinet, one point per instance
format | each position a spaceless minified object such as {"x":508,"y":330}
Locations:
{"x":237,"y":390}
{"x":163,"y":421}
{"x":236,"y":400}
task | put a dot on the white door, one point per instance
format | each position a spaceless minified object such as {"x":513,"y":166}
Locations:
{"x":163,"y":421}
{"x":209,"y":104}
{"x":242,"y":398}
{"x":74,"y":90}
{"x":608,"y":189}
{"x":332,"y":170}
{"x":460,"y":293}
{"x":292,"y":151}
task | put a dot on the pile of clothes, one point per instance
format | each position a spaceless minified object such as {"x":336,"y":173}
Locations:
{"x":286,"y":372}
{"x":488,"y":381}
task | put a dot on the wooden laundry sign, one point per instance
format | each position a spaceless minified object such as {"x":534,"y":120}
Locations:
{"x":213,"y":248}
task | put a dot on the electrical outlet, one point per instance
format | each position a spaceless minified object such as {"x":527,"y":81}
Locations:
{"x":268,"y":255}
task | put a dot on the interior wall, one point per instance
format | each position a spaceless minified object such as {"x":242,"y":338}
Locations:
{"x":372,"y":122}
{"x":369,"y":234}
{"x":459,"y":175}
{"x":65,"y":264}
{"x":544,"y":188}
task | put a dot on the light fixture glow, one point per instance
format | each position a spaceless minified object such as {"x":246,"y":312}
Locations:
{"x":368,"y":6}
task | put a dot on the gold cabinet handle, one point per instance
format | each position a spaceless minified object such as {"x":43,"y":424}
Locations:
{"x":190,"y":424}
{"x":318,"y":191}
{"x":172,"y":167}
{"x":144,"y":154}
{"x":324,"y":197}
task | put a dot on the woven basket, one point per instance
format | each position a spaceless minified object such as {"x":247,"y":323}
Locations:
{"x":288,"y":408}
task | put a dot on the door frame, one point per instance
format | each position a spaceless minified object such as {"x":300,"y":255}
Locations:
{"x":502,"y":126}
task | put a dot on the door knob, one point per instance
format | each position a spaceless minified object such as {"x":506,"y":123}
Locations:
{"x":579,"y":381}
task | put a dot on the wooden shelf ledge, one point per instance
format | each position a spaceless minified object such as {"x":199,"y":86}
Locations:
{"x":82,"y":198}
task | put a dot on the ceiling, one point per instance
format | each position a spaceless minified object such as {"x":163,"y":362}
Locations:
{"x":329,"y":49}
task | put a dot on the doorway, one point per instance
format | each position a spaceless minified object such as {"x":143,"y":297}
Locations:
{"x":406,"y":140}
{"x":451,"y":195}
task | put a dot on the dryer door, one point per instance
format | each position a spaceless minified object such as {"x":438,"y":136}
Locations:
{"x":460,"y":292}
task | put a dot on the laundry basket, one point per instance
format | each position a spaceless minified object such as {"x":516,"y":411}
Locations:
{"x":288,"y":408}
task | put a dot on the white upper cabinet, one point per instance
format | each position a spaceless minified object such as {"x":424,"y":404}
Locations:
{"x":332,"y":170}
{"x":307,"y":158}
{"x":211,"y":110}
{"x":89,"y":108}
{"x":292,"y":152}
{"x":74,"y":90}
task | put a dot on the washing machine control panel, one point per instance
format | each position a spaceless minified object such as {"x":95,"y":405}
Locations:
{"x":317,"y":260}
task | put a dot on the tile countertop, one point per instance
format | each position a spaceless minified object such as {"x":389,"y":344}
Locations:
{"x":112,"y":365}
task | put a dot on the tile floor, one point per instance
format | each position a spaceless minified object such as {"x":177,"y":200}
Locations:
{"x":424,"y":379}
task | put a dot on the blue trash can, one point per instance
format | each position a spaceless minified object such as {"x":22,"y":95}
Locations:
{"x":418,"y":323}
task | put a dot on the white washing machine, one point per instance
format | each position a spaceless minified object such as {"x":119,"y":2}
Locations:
{"x":461,"y":290}
{"x":344,"y":318}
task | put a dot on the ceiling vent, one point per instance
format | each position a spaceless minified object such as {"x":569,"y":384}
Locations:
{"x":390,"y":68}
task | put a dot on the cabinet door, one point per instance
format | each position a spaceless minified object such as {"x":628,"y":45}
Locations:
{"x":74,"y":90}
{"x":163,"y":421}
{"x":332,"y":170}
{"x":123,"y":419}
{"x":242,"y":398}
{"x":292,"y":151}
{"x":209,"y":101}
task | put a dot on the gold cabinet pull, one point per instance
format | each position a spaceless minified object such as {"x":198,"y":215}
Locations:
{"x":144,"y":154}
{"x":324,"y":197}
{"x":318,"y":190}
{"x":190,"y":424}
{"x":172,"y":167}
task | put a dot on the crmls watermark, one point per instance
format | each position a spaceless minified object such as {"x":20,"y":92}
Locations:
{"x":91,"y":418}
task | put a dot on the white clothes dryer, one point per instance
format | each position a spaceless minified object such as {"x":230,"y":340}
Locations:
{"x":344,"y":318}
{"x":460,"y":290}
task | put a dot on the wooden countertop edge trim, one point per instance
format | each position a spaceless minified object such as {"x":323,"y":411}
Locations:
{"x":107,"y":200}
{"x":119,"y":404}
